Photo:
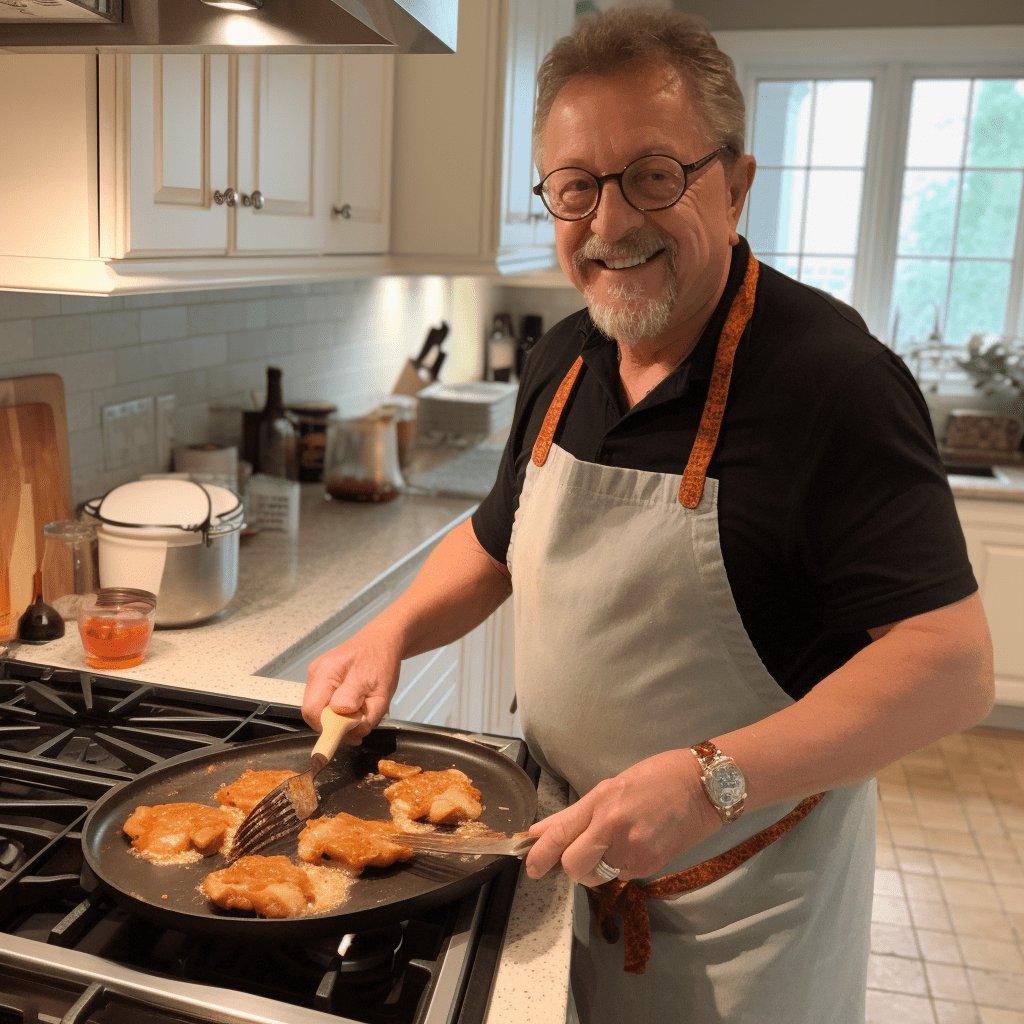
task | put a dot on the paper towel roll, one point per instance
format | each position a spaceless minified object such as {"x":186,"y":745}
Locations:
{"x":209,"y":460}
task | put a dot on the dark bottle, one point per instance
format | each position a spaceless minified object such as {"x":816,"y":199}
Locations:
{"x":277,"y":447}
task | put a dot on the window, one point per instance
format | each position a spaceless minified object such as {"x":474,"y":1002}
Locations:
{"x":896,"y":182}
{"x":810,"y":141}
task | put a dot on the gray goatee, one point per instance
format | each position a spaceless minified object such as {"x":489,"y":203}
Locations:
{"x":635,"y":317}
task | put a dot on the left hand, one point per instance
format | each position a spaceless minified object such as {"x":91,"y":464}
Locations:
{"x":637,"y":821}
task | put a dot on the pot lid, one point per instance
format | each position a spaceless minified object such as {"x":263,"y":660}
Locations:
{"x":180,"y":503}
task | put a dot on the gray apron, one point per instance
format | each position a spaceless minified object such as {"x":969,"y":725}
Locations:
{"x":629,"y":643}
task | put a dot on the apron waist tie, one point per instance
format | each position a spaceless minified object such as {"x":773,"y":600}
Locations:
{"x":630,"y":899}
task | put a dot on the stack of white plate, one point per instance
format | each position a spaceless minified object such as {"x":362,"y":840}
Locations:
{"x":475,"y":408}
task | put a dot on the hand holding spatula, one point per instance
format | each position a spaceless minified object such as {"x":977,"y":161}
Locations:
{"x":284,"y":809}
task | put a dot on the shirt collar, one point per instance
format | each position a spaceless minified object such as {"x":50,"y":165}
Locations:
{"x":600,"y":354}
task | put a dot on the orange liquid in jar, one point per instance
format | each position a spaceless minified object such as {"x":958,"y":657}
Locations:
{"x":115,"y":643}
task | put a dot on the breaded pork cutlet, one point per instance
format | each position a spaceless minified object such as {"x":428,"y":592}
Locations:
{"x":345,"y":841}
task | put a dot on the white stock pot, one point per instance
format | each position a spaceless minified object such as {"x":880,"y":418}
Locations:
{"x":175,"y":538}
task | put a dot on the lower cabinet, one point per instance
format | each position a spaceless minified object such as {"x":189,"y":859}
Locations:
{"x":466,"y":685}
{"x":994,"y":531}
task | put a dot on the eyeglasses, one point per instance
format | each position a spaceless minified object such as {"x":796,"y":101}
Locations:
{"x":650,"y":183}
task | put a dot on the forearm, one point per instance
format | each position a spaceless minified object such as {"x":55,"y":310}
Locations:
{"x":458,"y":587}
{"x":926,"y":678}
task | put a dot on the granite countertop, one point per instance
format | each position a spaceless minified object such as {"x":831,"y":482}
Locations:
{"x":293,"y":591}
{"x":1006,"y":485}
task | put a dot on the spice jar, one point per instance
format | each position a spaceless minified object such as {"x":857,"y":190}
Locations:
{"x":311,"y":426}
{"x":361,"y":459}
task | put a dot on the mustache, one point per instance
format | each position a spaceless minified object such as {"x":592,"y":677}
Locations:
{"x":640,"y":242}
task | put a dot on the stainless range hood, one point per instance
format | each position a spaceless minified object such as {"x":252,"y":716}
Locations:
{"x":194,"y":26}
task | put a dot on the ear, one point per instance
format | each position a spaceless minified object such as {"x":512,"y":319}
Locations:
{"x":738,"y":180}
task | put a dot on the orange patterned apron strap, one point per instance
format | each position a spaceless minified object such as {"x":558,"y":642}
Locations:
{"x":692,"y":486}
{"x":542,"y":445}
{"x":630,"y":899}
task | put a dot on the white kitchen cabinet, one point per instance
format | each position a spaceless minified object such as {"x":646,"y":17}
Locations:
{"x":463,"y":171}
{"x":245,"y":154}
{"x":113,"y":164}
{"x":994,"y":531}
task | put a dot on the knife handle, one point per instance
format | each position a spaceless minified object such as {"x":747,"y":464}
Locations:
{"x":334,"y":727}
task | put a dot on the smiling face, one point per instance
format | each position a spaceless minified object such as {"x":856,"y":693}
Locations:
{"x":650,"y":279}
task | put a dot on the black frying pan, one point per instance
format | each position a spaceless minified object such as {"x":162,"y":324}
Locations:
{"x":378,"y":896}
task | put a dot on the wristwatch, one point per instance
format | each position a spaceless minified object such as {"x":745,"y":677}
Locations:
{"x":723,"y":781}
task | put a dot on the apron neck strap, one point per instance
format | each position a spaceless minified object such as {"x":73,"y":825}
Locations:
{"x":692,"y":486}
{"x":740,"y":312}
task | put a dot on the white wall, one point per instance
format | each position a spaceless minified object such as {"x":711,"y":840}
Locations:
{"x":344,"y":341}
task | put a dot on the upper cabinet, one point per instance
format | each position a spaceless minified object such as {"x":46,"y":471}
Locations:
{"x":463,"y":169}
{"x":211,"y":155}
{"x":151,"y":171}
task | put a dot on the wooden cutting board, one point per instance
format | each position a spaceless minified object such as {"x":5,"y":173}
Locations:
{"x":35,"y":487}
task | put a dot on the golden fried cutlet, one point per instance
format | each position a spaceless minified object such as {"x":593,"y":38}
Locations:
{"x":397,"y":770}
{"x":349,"y":842}
{"x":167,"y":832}
{"x":442,"y":798}
{"x":270,"y":886}
{"x":251,"y":787}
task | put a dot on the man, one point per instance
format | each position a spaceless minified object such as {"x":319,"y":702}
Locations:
{"x":728,"y":535}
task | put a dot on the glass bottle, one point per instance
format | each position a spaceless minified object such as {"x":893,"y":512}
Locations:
{"x":277,"y":447}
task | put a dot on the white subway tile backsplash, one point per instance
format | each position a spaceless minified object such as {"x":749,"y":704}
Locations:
{"x":163,"y":323}
{"x":342,"y":341}
{"x":15,"y":340}
{"x":60,"y":335}
{"x":117,"y":329}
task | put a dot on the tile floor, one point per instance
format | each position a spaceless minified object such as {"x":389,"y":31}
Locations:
{"x":947,"y":939}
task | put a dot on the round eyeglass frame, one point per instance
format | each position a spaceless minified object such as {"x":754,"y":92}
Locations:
{"x":687,"y":169}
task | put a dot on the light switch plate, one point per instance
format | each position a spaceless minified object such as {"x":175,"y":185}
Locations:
{"x":128,"y":435}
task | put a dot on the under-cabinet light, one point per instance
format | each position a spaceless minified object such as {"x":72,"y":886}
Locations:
{"x":235,"y":5}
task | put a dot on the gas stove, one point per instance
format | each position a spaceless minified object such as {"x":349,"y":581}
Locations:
{"x":69,"y":954}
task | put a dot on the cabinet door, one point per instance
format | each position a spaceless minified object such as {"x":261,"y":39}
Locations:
{"x":995,"y":544}
{"x":169,"y":157}
{"x":487,"y":685}
{"x":360,"y":203}
{"x":520,"y":208}
{"x":285,"y":135}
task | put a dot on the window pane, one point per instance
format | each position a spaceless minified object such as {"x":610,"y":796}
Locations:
{"x":841,"y":112}
{"x":997,"y":133}
{"x":788,"y":265}
{"x":833,"y":212}
{"x":928,"y":212}
{"x":988,"y":213}
{"x":977,"y":300}
{"x":938,"y":120}
{"x":832,"y":274}
{"x":775,"y":210}
{"x":918,"y":295}
{"x":782,"y":123}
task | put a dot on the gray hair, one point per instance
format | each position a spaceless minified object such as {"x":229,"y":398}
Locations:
{"x":633,"y":38}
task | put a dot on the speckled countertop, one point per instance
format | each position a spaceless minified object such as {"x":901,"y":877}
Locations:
{"x":1006,"y":485}
{"x":293,"y":591}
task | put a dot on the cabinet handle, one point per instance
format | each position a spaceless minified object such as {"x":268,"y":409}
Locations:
{"x":344,"y":211}
{"x":539,"y":216}
{"x":229,"y":196}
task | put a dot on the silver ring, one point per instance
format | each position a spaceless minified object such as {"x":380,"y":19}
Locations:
{"x":606,"y":871}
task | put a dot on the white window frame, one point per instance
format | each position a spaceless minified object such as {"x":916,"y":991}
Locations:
{"x":892,"y":59}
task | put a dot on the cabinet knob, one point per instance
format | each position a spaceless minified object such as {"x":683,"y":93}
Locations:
{"x":257,"y":199}
{"x":343,"y":211}
{"x":228,"y":196}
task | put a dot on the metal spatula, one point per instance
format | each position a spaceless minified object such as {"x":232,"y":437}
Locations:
{"x":517,"y":845}
{"x":286,"y":807}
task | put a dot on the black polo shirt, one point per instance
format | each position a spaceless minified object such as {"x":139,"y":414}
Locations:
{"x":835,"y":514}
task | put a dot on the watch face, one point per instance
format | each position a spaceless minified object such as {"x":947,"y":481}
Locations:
{"x":726,"y":785}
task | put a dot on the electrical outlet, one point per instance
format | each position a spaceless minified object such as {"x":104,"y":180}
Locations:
{"x":128,"y":434}
{"x":164,"y":431}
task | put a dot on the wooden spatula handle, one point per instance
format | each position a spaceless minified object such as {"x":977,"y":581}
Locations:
{"x":334,"y":728}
